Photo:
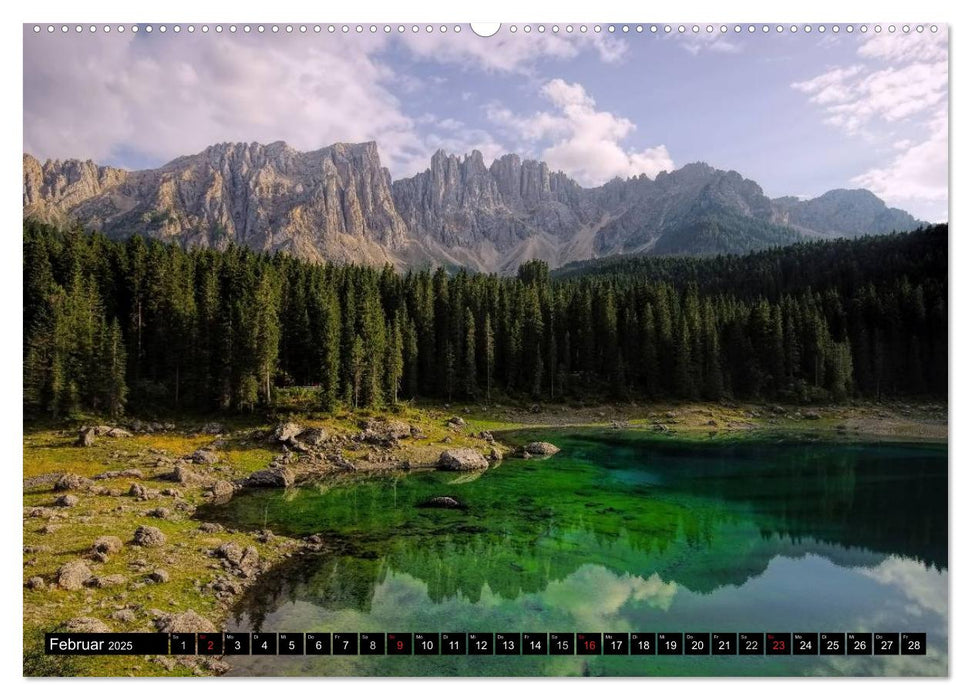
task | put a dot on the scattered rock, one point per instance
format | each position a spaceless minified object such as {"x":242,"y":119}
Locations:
{"x":285,"y":432}
{"x":73,"y":575}
{"x":463,"y":459}
{"x":117,"y":433}
{"x":159,"y":576}
{"x":147,"y":536}
{"x":249,"y":563}
{"x":188,"y":621}
{"x":86,"y":624}
{"x":811,"y":415}
{"x":212,"y":429}
{"x":36,"y":548}
{"x":455,"y":422}
{"x":342,"y":463}
{"x":541,"y":448}
{"x":487,"y":436}
{"x":230,"y":551}
{"x":222,"y":489}
{"x":315,"y":437}
{"x":265,"y":536}
{"x":384,"y":432}
{"x":440,"y":502}
{"x":183,"y":475}
{"x":36,"y":583}
{"x":100,"y":557}
{"x":38,"y":512}
{"x":149,"y":428}
{"x":274,"y":476}
{"x":66,"y":501}
{"x":137,"y":491}
{"x":107,"y":544}
{"x":534,"y":408}
{"x":85,"y":437}
{"x":107,"y":581}
{"x":216,"y":666}
{"x":72,"y":482}
{"x":203,"y":455}
{"x":211,"y":527}
{"x":495,"y":455}
{"x":417,"y":433}
{"x":173,"y":493}
{"x":123,"y":615}
{"x":160,"y":513}
{"x":121,"y":474}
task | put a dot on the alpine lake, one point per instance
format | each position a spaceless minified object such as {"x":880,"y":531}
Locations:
{"x":622,"y":531}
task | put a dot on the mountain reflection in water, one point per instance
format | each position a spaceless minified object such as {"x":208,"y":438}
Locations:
{"x":619,"y":532}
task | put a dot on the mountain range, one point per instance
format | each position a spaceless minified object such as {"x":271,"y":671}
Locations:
{"x":338,"y":203}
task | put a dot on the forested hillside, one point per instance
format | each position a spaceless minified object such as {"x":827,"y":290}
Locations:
{"x":144,"y":326}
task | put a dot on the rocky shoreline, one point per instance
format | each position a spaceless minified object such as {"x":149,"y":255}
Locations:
{"x":111,"y":542}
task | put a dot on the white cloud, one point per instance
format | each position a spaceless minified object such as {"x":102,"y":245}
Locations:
{"x":916,"y":178}
{"x":897,"y":94}
{"x":905,"y":48}
{"x":586,"y":142}
{"x":509,"y":52}
{"x":164,"y":96}
{"x":704,"y":41}
{"x":853,"y":96}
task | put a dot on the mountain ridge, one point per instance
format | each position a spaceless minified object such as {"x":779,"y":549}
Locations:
{"x":339,"y":203}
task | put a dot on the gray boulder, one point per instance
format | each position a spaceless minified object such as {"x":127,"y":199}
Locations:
{"x":314,"y":437}
{"x":222,"y":489}
{"x":277,"y":476}
{"x":183,"y":475}
{"x":188,"y":621}
{"x":147,"y":536}
{"x":86,"y":624}
{"x":203,"y":455}
{"x":107,"y":544}
{"x":66,"y":501}
{"x":230,"y":551}
{"x":73,"y":575}
{"x":462,"y":459}
{"x":72,"y":482}
{"x":541,"y":448}
{"x":285,"y":432}
{"x":107,"y":581}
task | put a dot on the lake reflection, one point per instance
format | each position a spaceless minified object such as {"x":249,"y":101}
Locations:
{"x":619,"y":532}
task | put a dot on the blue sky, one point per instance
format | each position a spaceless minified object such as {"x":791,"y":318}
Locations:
{"x":799,"y":113}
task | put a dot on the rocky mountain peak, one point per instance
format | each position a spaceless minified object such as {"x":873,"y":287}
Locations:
{"x":339,"y":203}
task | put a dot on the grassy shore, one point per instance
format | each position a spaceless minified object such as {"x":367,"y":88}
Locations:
{"x":139,"y":588}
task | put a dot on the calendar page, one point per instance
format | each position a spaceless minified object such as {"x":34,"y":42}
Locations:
{"x":551,"y":349}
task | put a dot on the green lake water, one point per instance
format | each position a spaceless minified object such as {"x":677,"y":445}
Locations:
{"x":622,"y":531}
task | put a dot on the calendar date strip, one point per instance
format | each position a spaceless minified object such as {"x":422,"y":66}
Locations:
{"x":490,"y":643}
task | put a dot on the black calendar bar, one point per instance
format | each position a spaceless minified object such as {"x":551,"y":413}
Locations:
{"x":491,"y":643}
{"x":94,"y":644}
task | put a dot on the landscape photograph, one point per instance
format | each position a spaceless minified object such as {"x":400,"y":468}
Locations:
{"x":565,"y":350}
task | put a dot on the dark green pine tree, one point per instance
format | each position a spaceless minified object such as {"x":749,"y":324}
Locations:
{"x":394,"y":363}
{"x":471,"y":383}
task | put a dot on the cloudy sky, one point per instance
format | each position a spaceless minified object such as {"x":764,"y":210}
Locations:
{"x":799,"y":113}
